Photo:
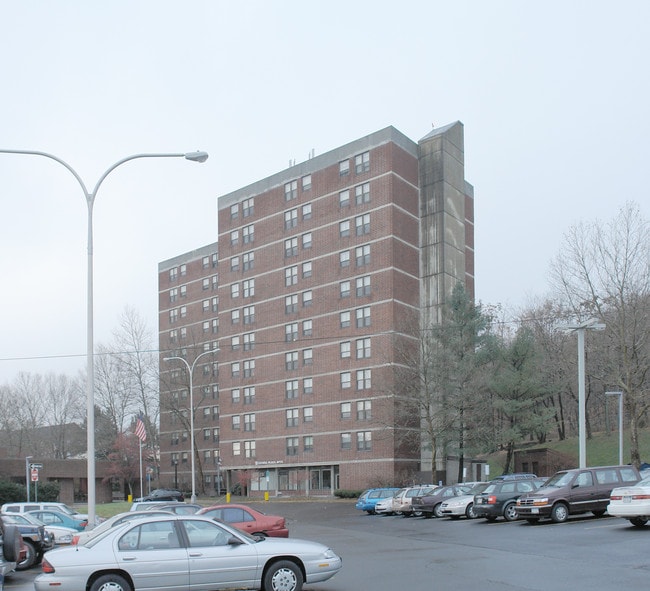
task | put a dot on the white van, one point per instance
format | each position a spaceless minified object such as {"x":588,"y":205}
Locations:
{"x":24,"y":507}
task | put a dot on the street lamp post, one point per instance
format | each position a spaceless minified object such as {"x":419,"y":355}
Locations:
{"x":580,"y":329}
{"x":90,"y":371}
{"x":27,"y":475}
{"x":190,"y":370}
{"x":620,"y":424}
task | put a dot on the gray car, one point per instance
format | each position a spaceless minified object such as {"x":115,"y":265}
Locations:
{"x":180,"y":552}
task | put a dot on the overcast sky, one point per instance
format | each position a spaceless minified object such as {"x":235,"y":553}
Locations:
{"x":554,"y":97}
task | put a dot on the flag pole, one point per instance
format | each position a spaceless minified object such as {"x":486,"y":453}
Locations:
{"x":140,"y":446}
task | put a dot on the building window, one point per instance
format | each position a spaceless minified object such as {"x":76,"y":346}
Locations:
{"x":306,"y":182}
{"x":207,"y":434}
{"x":364,"y":440}
{"x":206,"y":306}
{"x":215,"y":304}
{"x":308,"y":414}
{"x":234,"y":238}
{"x":306,"y":269}
{"x":364,"y":381}
{"x":184,"y":457}
{"x":362,"y":224}
{"x":173,"y":294}
{"x":345,"y":319}
{"x":291,"y":332}
{"x":345,"y":349}
{"x":249,"y":288}
{"x":344,"y":258}
{"x":344,"y":289}
{"x":249,"y":314}
{"x":307,"y":298}
{"x":235,"y":396}
{"x":290,"y":219}
{"x":215,"y":259}
{"x":308,"y":443}
{"x":234,"y":211}
{"x":291,"y":276}
{"x":292,"y":446}
{"x":364,"y":410}
{"x":173,"y":315}
{"x":215,"y":436}
{"x":205,"y":283}
{"x":344,"y":228}
{"x":248,"y":207}
{"x":249,"y":449}
{"x":234,"y":266}
{"x":236,"y":448}
{"x":290,"y":190}
{"x":249,"y":368}
{"x":291,"y":360}
{"x":291,"y":247}
{"x":183,"y":311}
{"x":215,"y":412}
{"x":362,"y":316}
{"x":249,"y":422}
{"x":306,"y":240}
{"x":173,"y":274}
{"x":291,"y":389}
{"x":307,"y":356}
{"x":249,"y":395}
{"x":346,"y":441}
{"x":307,"y":328}
{"x":173,"y":336}
{"x":235,"y":369}
{"x":234,"y":343}
{"x":346,"y":380}
{"x":291,"y":304}
{"x":248,"y":260}
{"x":363,"y":348}
{"x":215,"y":326}
{"x":249,"y":341}
{"x":234,"y":316}
{"x":234,"y":290}
{"x":236,"y":422}
{"x":346,"y":410}
{"x":363,"y":286}
{"x":248,"y":234}
{"x":308,"y":385}
{"x":344,"y":167}
{"x":344,"y":198}
{"x":183,"y":291}
{"x":292,"y":417}
{"x":306,"y":211}
{"x":183,"y":270}
{"x":362,"y":194}
{"x":362,"y":255}
{"x":183,"y":332}
{"x":362,"y":163}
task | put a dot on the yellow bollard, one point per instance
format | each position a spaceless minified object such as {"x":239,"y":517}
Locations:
{"x":266,"y":495}
{"x":129,"y":498}
{"x":227,"y":497}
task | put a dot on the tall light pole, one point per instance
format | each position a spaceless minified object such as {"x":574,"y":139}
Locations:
{"x":190,"y":370}
{"x":90,"y":371}
{"x":591,"y":324}
{"x":620,"y":424}
{"x":27,"y":475}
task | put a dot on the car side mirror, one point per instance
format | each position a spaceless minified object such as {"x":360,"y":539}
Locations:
{"x":233,"y":541}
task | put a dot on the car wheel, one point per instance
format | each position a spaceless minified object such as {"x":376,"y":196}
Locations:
{"x":469,"y":512}
{"x":283,"y":575}
{"x":510,"y":512}
{"x":110,"y":583}
{"x":30,"y":558}
{"x":638,"y":521}
{"x":559,"y":513}
{"x":417,"y":513}
{"x":437,"y":510}
{"x":260,"y":534}
{"x":11,"y":543}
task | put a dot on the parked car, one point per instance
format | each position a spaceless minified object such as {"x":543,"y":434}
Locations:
{"x":176,"y":507}
{"x":163,"y":494}
{"x":385,"y":506}
{"x":499,"y":499}
{"x":430,"y":504}
{"x":224,"y":557}
{"x":82,"y":537}
{"x":402,"y":499}
{"x":147,"y":505}
{"x":462,"y":505}
{"x":248,"y":520}
{"x":58,"y":518}
{"x":569,"y":492}
{"x":369,"y":498}
{"x":37,"y":541}
{"x":60,"y":535}
{"x":48,"y":506}
{"x":631,"y":502}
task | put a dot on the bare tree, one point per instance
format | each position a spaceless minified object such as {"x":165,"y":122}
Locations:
{"x":603,"y":271}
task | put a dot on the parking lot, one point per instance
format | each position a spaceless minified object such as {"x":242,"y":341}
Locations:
{"x":385,"y":553}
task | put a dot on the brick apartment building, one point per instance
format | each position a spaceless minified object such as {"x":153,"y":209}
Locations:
{"x":319,"y":270}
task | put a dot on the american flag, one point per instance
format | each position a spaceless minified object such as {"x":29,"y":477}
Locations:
{"x":140,"y":431}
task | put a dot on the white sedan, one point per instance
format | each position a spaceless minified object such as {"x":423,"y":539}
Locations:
{"x":631,"y":502}
{"x":456,"y":507}
{"x":179,"y":552}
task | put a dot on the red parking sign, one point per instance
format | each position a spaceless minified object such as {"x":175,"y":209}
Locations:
{"x":34,"y":475}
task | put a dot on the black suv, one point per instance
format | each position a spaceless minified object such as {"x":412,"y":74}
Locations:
{"x":164,"y":494}
{"x":499,"y":499}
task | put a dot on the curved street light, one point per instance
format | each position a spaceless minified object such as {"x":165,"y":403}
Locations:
{"x":90,"y":377}
{"x":190,"y":370}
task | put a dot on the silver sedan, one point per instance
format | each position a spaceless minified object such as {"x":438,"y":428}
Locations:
{"x":182,"y":552}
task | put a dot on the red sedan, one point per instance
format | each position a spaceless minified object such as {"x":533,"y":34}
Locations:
{"x":248,"y":520}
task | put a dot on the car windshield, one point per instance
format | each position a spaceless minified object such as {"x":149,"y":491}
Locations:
{"x":490,"y":488}
{"x":478,"y":488}
{"x":560,"y":479}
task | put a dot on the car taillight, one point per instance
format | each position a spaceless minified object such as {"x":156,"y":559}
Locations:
{"x":491,"y":500}
{"x":75,"y":540}
{"x":47,"y":567}
{"x":640,"y":497}
{"x":84,"y":523}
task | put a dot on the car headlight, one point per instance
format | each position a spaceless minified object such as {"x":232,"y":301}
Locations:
{"x":540,"y":501}
{"x":329,"y":554}
{"x":65,"y":539}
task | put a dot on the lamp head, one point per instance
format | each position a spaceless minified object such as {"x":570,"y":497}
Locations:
{"x":196,"y":156}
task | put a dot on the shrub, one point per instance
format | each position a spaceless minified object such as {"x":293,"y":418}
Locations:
{"x":347,"y":494}
{"x":11,"y":492}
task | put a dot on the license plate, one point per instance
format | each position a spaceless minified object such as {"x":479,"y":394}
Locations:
{"x":479,"y":501}
{"x":627,"y":499}
{"x":534,"y":510}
